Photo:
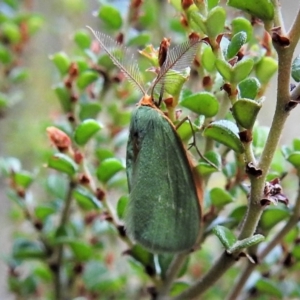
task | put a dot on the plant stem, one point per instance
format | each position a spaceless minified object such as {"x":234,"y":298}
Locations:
{"x":58,"y":286}
{"x":171,"y":275}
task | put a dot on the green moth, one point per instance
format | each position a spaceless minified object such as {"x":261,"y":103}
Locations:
{"x":163,"y":213}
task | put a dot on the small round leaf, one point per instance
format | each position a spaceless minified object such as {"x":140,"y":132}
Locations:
{"x":224,"y":68}
{"x":219,"y":197}
{"x":237,"y":41}
{"x":225,"y":132}
{"x":215,"y":21}
{"x":203,"y":103}
{"x":62,"y":163}
{"x":296,"y":69}
{"x":263,"y":9}
{"x":265,"y":69}
{"x":242,"y":24}
{"x":61,"y":61}
{"x":108,"y":168}
{"x":245,"y":112}
{"x":110,"y":16}
{"x":86,"y":78}
{"x":86,"y":130}
{"x":242,"y":69}
{"x":248,"y":88}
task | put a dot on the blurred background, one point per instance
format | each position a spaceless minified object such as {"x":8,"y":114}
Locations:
{"x":39,"y":104}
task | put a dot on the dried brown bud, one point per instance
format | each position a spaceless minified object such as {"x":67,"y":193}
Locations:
{"x":163,"y":51}
{"x":58,"y":138}
{"x":246,"y":136}
{"x":279,"y":38}
{"x":252,"y":170}
{"x":185,"y":4}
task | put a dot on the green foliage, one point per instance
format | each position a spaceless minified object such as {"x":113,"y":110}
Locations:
{"x":69,"y":238}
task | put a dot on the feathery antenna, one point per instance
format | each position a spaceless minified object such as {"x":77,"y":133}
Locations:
{"x":178,"y":59}
{"x":123,"y":59}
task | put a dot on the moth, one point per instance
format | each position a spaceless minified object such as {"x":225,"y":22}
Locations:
{"x":164,"y":211}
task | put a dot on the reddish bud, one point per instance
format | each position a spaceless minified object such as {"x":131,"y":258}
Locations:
{"x":163,"y":51}
{"x":84,"y":179}
{"x":185,"y":4}
{"x":100,"y":194}
{"x":58,"y":138}
{"x":78,"y":157}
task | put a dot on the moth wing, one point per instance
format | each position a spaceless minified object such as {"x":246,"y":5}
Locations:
{"x":163,"y":212}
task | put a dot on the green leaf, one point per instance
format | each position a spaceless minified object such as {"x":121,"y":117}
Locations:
{"x":3,"y":100}
{"x":226,"y":237}
{"x":43,"y":211}
{"x":245,"y":243}
{"x":241,"y":24}
{"x":27,"y":249}
{"x":196,"y":20}
{"x":94,"y":273}
{"x":215,"y":21}
{"x":82,"y":39}
{"x":241,"y":70}
{"x":85,"y":131}
{"x":219,"y":197}
{"x":208,"y":58}
{"x":140,"y":40}
{"x":204,"y":168}
{"x":262,"y":9}
{"x":86,"y":78}
{"x":11,"y":31}
{"x":296,"y":252}
{"x":81,"y":250}
{"x":5,"y":55}
{"x":121,"y":206}
{"x":110,"y":16}
{"x":35,"y":23}
{"x":18,"y":74}
{"x":237,"y":41}
{"x":260,"y":135}
{"x":296,"y":144}
{"x":245,"y":112}
{"x":64,"y":97}
{"x":85,"y":199}
{"x":224,"y":68}
{"x":143,"y":256}
{"x":23,"y":178}
{"x":248,"y":88}
{"x":108,"y":168}
{"x":178,"y":287}
{"x":165,"y":260}
{"x":185,"y":131}
{"x":62,"y":62}
{"x":103,"y":153}
{"x":238,"y":213}
{"x":268,"y":287}
{"x":178,"y":79}
{"x":202,"y":103}
{"x":296,"y":69}
{"x":89,"y":110}
{"x":294,"y":159}
{"x":272,"y":216}
{"x":265,"y":69}
{"x":212,"y":3}
{"x":62,"y":163}
{"x":225,"y":132}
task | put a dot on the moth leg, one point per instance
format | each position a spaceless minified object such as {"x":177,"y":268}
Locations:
{"x":193,"y":143}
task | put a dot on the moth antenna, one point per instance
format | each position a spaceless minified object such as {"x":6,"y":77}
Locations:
{"x":178,"y":59}
{"x":125,"y":61}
